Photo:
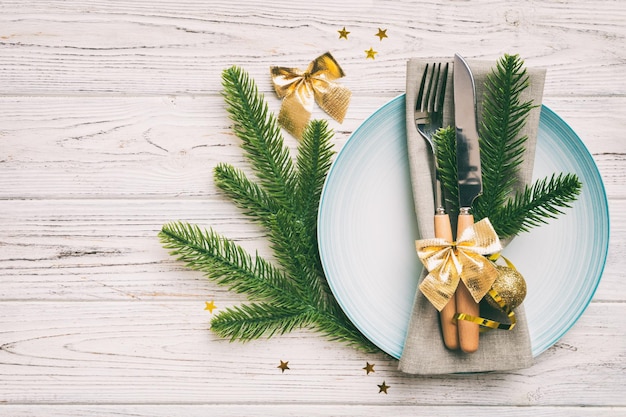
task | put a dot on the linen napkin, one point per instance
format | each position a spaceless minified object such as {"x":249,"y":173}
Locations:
{"x":424,"y":352}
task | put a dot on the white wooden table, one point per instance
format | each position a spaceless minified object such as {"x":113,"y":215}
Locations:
{"x":111,"y":122}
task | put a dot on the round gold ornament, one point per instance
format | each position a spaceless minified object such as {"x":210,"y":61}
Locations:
{"x":510,"y":285}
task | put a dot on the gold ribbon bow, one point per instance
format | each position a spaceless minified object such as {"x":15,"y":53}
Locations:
{"x":448,"y":262}
{"x":299,"y":89}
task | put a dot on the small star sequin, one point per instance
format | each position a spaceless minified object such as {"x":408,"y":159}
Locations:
{"x":283,"y":366}
{"x":343,"y":33}
{"x":369,"y":367}
{"x":382,"y":33}
{"x":370,"y":54}
{"x":383,"y":388}
{"x":210,"y":306}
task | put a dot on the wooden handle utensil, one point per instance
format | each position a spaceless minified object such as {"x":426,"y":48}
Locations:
{"x":468,"y":332}
{"x":446,"y":315}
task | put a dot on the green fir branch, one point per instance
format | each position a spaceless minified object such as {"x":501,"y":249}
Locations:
{"x":247,"y":195}
{"x":260,"y":133}
{"x":538,"y":203}
{"x":225,"y":262}
{"x":254,"y":320}
{"x":314,"y":160}
{"x":291,"y":249}
{"x":445,"y":144}
{"x":501,"y":147}
{"x":285,"y":200}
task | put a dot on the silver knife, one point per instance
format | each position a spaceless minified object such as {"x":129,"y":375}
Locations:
{"x":467,"y":150}
{"x":470,"y":185}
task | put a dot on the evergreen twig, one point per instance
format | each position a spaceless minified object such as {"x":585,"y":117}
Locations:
{"x":538,"y":203}
{"x":260,"y":133}
{"x":285,"y":201}
{"x":501,"y":147}
{"x":445,"y":143}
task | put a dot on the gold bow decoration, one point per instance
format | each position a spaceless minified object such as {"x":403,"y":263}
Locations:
{"x":299,"y":89}
{"x":448,"y":262}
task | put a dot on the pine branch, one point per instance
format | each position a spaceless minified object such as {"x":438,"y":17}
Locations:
{"x":247,"y":195}
{"x":445,"y":144}
{"x":254,"y":320}
{"x":314,"y":160}
{"x":262,"y":140}
{"x":225,"y":262}
{"x":285,"y":201}
{"x":539,"y":202}
{"x":501,"y":147}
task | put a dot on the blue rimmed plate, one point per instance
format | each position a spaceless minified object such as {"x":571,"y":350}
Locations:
{"x":367,"y":230}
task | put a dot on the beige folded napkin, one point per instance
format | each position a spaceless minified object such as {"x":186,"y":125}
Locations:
{"x":424,"y":352}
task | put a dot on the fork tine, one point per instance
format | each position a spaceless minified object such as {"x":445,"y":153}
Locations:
{"x":441,"y":93}
{"x":430,"y":98}
{"x":420,"y":94}
{"x":427,"y":105}
{"x":434,"y":81}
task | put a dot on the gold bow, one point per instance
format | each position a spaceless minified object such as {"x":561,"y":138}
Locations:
{"x":298,"y":89}
{"x":447,"y":262}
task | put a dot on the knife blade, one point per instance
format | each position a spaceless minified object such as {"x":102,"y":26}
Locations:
{"x":467,"y":150}
{"x":470,"y":185}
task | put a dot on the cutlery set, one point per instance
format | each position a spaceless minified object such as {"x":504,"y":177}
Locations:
{"x":428,"y":119}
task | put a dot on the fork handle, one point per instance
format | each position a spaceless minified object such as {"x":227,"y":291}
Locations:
{"x":468,"y":331}
{"x":449,"y":329}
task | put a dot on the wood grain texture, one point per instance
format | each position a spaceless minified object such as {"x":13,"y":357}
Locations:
{"x":111,"y":122}
{"x":140,"y":352}
{"x":334,"y":410}
{"x":155,"y":147}
{"x":139,"y":48}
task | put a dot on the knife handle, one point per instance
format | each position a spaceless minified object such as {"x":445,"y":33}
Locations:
{"x":449,"y":329}
{"x":468,"y":331}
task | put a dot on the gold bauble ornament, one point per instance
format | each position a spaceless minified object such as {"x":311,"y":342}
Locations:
{"x":510,"y":285}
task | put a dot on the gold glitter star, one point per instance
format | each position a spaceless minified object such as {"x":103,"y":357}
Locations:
{"x":210,"y":305}
{"x":283,"y":366}
{"x":382,"y":33}
{"x":370,"y":54}
{"x":383,"y":388}
{"x":369,"y":367}
{"x":343,"y":33}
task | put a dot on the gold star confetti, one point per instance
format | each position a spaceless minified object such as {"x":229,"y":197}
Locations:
{"x":343,"y":33}
{"x":369,"y":367}
{"x":370,"y":54}
{"x":210,"y":305}
{"x":382,"y":33}
{"x":383,"y":388}
{"x":283,"y":366}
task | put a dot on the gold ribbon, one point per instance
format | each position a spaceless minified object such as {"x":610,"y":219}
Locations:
{"x":488,"y":324}
{"x":448,"y":262}
{"x":299,"y":89}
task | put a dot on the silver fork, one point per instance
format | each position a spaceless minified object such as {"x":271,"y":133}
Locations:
{"x":429,"y":116}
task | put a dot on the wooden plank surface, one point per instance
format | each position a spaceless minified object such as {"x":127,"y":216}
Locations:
{"x":111,"y":122}
{"x":138,"y":352}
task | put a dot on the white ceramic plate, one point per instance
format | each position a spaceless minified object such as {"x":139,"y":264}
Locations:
{"x":367,"y":230}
